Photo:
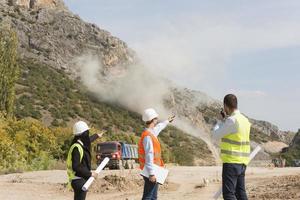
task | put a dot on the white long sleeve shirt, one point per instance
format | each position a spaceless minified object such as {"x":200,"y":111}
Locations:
{"x":228,"y":126}
{"x":148,"y":146}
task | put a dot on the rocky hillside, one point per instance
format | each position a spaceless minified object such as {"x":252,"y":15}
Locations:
{"x":37,"y":3}
{"x":51,"y":38}
{"x":51,"y":34}
{"x":203,"y":112}
{"x":292,"y":153}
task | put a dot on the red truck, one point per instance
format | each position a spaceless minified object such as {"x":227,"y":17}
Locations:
{"x":121,"y":155}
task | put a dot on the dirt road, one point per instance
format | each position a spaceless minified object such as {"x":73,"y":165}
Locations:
{"x":185,"y":183}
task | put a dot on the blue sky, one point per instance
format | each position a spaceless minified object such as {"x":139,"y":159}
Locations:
{"x":250,"y":48}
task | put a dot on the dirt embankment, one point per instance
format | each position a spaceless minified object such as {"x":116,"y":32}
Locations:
{"x":275,"y":188}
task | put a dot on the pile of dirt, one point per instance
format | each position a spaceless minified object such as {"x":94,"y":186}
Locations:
{"x":112,"y":183}
{"x":274,"y":146}
{"x":116,"y":183}
{"x":283,"y":187}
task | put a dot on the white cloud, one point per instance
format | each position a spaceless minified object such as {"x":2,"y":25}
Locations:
{"x":198,"y":48}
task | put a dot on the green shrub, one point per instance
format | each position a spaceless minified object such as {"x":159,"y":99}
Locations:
{"x":9,"y":69}
{"x":26,"y":145}
{"x":293,"y":152}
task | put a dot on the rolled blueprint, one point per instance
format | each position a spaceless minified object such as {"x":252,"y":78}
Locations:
{"x":89,"y":182}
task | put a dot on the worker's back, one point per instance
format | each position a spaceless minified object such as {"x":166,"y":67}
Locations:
{"x":235,"y":147}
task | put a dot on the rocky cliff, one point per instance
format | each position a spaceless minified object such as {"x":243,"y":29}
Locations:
{"x":36,"y":3}
{"x":51,"y":34}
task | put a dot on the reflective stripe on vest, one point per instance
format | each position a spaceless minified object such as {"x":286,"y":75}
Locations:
{"x":240,"y":154}
{"x":235,"y":147}
{"x":234,"y":142}
{"x":156,"y":150}
{"x":70,"y":172}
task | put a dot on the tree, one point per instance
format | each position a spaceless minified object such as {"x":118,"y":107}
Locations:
{"x":9,"y":69}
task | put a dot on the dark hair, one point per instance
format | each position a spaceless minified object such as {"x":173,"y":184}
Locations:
{"x":230,"y":101}
{"x":149,"y":122}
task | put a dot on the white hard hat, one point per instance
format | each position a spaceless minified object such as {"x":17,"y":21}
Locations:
{"x":80,"y":127}
{"x":149,"y":114}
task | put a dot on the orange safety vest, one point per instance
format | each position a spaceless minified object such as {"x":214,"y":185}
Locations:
{"x":156,"y":148}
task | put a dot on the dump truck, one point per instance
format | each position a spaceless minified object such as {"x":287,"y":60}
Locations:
{"x":121,"y":155}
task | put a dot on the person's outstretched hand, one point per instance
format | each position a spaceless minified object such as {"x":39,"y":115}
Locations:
{"x":171,"y":119}
{"x":94,"y":174}
{"x":152,"y":178}
{"x":100,"y":134}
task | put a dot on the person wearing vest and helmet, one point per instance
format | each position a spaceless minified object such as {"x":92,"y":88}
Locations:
{"x":79,"y":159}
{"x":234,"y":132}
{"x":150,"y":151}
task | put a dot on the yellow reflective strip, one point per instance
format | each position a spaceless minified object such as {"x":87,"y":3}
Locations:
{"x":226,"y":140}
{"x":234,"y":153}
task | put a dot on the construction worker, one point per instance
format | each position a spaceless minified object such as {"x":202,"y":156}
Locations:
{"x":234,"y":129}
{"x":79,"y":159}
{"x":150,"y":151}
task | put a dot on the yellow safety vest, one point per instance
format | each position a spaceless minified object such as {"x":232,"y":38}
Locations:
{"x":70,"y":171}
{"x":235,"y":147}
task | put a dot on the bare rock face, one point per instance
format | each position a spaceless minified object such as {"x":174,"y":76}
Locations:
{"x":23,"y":3}
{"x":36,"y":3}
{"x":272,"y":130}
{"x":202,"y":111}
{"x":51,"y":34}
{"x":44,"y":3}
{"x":194,"y":105}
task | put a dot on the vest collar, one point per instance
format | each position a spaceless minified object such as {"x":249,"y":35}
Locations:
{"x":80,"y":142}
{"x":149,"y":130}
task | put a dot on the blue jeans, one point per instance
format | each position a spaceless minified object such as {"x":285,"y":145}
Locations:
{"x":233,"y":181}
{"x":150,"y":190}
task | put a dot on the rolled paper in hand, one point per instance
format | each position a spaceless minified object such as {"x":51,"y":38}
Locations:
{"x":89,"y":182}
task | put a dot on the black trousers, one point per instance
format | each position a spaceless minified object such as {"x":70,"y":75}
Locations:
{"x":233,"y":181}
{"x":150,"y":190}
{"x":77,"y":184}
